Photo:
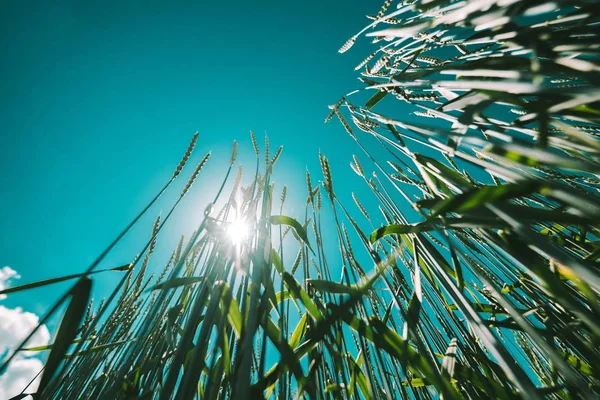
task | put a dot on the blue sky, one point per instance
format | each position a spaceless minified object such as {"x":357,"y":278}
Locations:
{"x":101,"y":99}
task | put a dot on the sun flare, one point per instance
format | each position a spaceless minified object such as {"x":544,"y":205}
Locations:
{"x":237,"y":231}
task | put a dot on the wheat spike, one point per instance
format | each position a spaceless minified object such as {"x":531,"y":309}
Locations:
{"x":254,"y":144}
{"x":379,"y":64}
{"x":125,"y":291}
{"x":365,"y":61}
{"x":179,"y":248}
{"x":146,"y":260}
{"x":283,"y":194}
{"x":314,"y":264}
{"x":154,"y":232}
{"x":360,"y":206}
{"x":166,"y":269}
{"x":424,"y":114}
{"x":87,"y":319}
{"x":296,"y":262}
{"x":401,"y":178}
{"x":234,"y":152}
{"x":355,"y":169}
{"x":396,"y":167}
{"x":319,"y":199}
{"x":267,"y":151}
{"x":333,"y":108}
{"x":386,"y":216}
{"x":186,"y":156}
{"x":309,"y":187}
{"x":327,"y":174}
{"x":359,"y":167}
{"x":344,"y":123}
{"x":276,"y":156}
{"x":195,"y":174}
{"x":347,"y":45}
{"x":316,"y":233}
{"x":238,"y":179}
{"x":347,"y":238}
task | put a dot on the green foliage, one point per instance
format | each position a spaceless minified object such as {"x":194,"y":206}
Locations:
{"x":483,"y":278}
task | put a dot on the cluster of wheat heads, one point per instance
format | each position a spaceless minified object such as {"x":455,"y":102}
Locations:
{"x":482,"y":126}
{"x":232,"y":319}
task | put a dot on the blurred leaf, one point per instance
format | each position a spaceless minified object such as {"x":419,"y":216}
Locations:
{"x":80,"y":295}
{"x":450,"y":359}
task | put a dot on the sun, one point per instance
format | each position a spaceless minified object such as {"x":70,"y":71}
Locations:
{"x":237,"y":231}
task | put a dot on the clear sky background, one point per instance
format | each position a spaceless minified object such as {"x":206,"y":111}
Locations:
{"x":100,"y":99}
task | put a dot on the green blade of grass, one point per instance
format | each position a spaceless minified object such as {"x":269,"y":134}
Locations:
{"x":67,"y":331}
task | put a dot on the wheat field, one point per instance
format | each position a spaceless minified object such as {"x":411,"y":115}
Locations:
{"x":476,"y":131}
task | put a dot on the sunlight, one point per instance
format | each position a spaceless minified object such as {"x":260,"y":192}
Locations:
{"x":237,"y":231}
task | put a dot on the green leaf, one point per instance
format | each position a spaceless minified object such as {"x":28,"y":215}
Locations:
{"x":299,"y":331}
{"x":80,"y":295}
{"x":20,"y":396}
{"x":37,"y":284}
{"x":289,"y":360}
{"x":377,"y":97}
{"x":400,"y":229}
{"x":523,"y":213}
{"x":101,"y":347}
{"x":284,"y":220}
{"x":234,"y":316}
{"x":331,"y":287}
{"x":386,"y":339}
{"x":415,"y":382}
{"x":536,"y":157}
{"x":176,"y":282}
{"x":443,"y":172}
{"x":479,"y":197}
{"x":578,"y":364}
{"x":49,"y":346}
{"x":333,"y":388}
{"x":276,"y":260}
{"x":358,"y":378}
{"x":298,"y":293}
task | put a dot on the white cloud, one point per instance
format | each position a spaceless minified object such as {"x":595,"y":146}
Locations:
{"x":15,"y":326}
{"x":6,"y":273}
{"x":20,"y":372}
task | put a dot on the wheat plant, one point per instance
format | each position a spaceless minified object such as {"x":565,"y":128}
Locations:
{"x":479,"y":141}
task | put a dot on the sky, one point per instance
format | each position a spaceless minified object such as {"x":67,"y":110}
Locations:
{"x":100,"y":100}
